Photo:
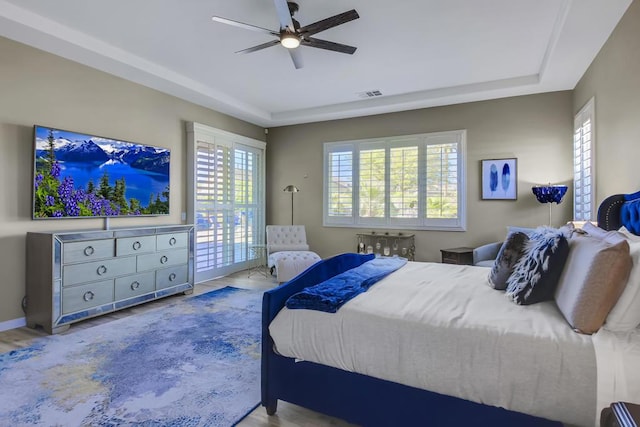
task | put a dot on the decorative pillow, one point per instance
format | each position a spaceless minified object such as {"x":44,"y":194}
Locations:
{"x":594,"y":276}
{"x":595,"y":231}
{"x":625,"y":315}
{"x":536,"y":273}
{"x":508,"y":255}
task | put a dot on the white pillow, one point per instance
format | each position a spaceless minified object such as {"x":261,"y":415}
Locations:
{"x":625,"y":315}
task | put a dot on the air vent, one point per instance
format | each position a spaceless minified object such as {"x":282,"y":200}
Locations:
{"x":369,"y":94}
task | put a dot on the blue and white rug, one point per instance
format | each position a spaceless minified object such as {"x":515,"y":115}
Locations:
{"x":195,"y":362}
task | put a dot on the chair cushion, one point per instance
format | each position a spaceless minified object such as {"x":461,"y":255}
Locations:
{"x":289,"y":264}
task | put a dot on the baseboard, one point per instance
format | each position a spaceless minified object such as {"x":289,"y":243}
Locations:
{"x":12,"y":324}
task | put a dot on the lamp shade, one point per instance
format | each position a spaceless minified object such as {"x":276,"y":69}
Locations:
{"x":549,"y":193}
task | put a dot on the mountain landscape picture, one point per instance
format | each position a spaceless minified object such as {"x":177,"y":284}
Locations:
{"x":78,"y":175}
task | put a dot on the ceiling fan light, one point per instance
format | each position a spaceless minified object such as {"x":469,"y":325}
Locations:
{"x":290,"y":41}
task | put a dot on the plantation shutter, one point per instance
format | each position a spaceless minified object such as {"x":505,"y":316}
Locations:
{"x":372,"y":186}
{"x":227,"y":200}
{"x":214,"y":207}
{"x":340,"y":184}
{"x":583,"y":163}
{"x":403,"y":182}
{"x":441,"y":180}
{"x":248,"y":221}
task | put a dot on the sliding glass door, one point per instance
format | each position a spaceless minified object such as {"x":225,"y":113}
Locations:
{"x":228,"y":201}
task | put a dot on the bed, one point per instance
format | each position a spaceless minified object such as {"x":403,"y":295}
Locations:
{"x":421,"y":348}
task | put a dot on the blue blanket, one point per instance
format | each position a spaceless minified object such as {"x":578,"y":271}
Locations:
{"x":330,"y":295}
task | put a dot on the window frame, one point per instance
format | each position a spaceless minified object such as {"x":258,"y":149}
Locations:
{"x":457,"y":137}
{"x":232,"y":235}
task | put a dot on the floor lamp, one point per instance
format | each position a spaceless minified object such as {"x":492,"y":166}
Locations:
{"x":549,"y":194}
{"x":291,"y":189}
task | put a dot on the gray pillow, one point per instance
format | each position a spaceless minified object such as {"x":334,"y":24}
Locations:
{"x":508,"y":255}
{"x":594,"y":277}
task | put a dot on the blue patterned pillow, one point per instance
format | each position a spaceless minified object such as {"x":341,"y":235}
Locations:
{"x":536,"y":274}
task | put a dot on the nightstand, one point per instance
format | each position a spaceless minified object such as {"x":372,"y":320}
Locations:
{"x":462,"y":256}
{"x":620,"y":414}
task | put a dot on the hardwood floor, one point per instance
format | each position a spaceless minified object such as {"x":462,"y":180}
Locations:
{"x":288,"y":415}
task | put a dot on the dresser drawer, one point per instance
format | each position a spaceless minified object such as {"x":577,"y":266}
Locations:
{"x":172,"y":240}
{"x":137,"y":284}
{"x":87,"y":250}
{"x":171,"y":276}
{"x":162,"y":259}
{"x":82,"y":297}
{"x":97,"y":270}
{"x":135,"y":245}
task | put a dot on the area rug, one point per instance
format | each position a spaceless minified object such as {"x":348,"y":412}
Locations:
{"x":194,"y":362}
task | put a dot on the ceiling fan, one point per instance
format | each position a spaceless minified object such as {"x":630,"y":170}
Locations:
{"x":292,"y":35}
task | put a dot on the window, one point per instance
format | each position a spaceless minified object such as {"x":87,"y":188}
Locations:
{"x":583,"y":163}
{"x":227,"y":204}
{"x":414,"y":181}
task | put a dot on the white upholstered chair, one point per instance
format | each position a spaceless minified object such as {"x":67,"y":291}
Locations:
{"x":288,"y":252}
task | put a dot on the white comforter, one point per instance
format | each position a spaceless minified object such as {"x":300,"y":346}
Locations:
{"x":442,"y":328}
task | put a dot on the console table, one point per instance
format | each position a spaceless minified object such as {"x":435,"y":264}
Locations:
{"x":72,"y":276}
{"x":387,"y":244}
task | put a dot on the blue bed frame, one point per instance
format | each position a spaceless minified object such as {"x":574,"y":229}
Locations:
{"x":618,"y":210}
{"x":356,"y":398}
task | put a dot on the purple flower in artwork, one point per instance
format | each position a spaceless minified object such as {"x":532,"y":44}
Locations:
{"x":68,"y":196}
{"x":94,"y":204}
{"x":55,"y":169}
{"x":57,"y":214}
{"x":50,"y":201}
{"x":106,"y":206}
{"x":39,"y":179}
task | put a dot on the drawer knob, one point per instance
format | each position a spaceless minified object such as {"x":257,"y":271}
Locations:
{"x":88,"y":296}
{"x":136,"y":245}
{"x":163,"y":259}
{"x":172,"y":277}
{"x":89,"y":250}
{"x":172,"y":241}
{"x":135,"y":285}
{"x":101,"y":270}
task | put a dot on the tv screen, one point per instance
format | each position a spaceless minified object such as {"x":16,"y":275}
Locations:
{"x":80,"y":175}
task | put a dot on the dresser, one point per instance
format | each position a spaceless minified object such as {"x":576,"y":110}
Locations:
{"x":72,"y":276}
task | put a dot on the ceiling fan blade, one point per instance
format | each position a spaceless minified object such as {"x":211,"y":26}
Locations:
{"x":245,"y":26}
{"x":325,"y":24}
{"x":284,"y":16}
{"x":259,"y":47}
{"x":296,"y":57}
{"x":324,"y":44}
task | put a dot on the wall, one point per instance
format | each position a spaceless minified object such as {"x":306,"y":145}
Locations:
{"x":536,"y":129}
{"x":40,"y":88}
{"x":614,"y":79}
